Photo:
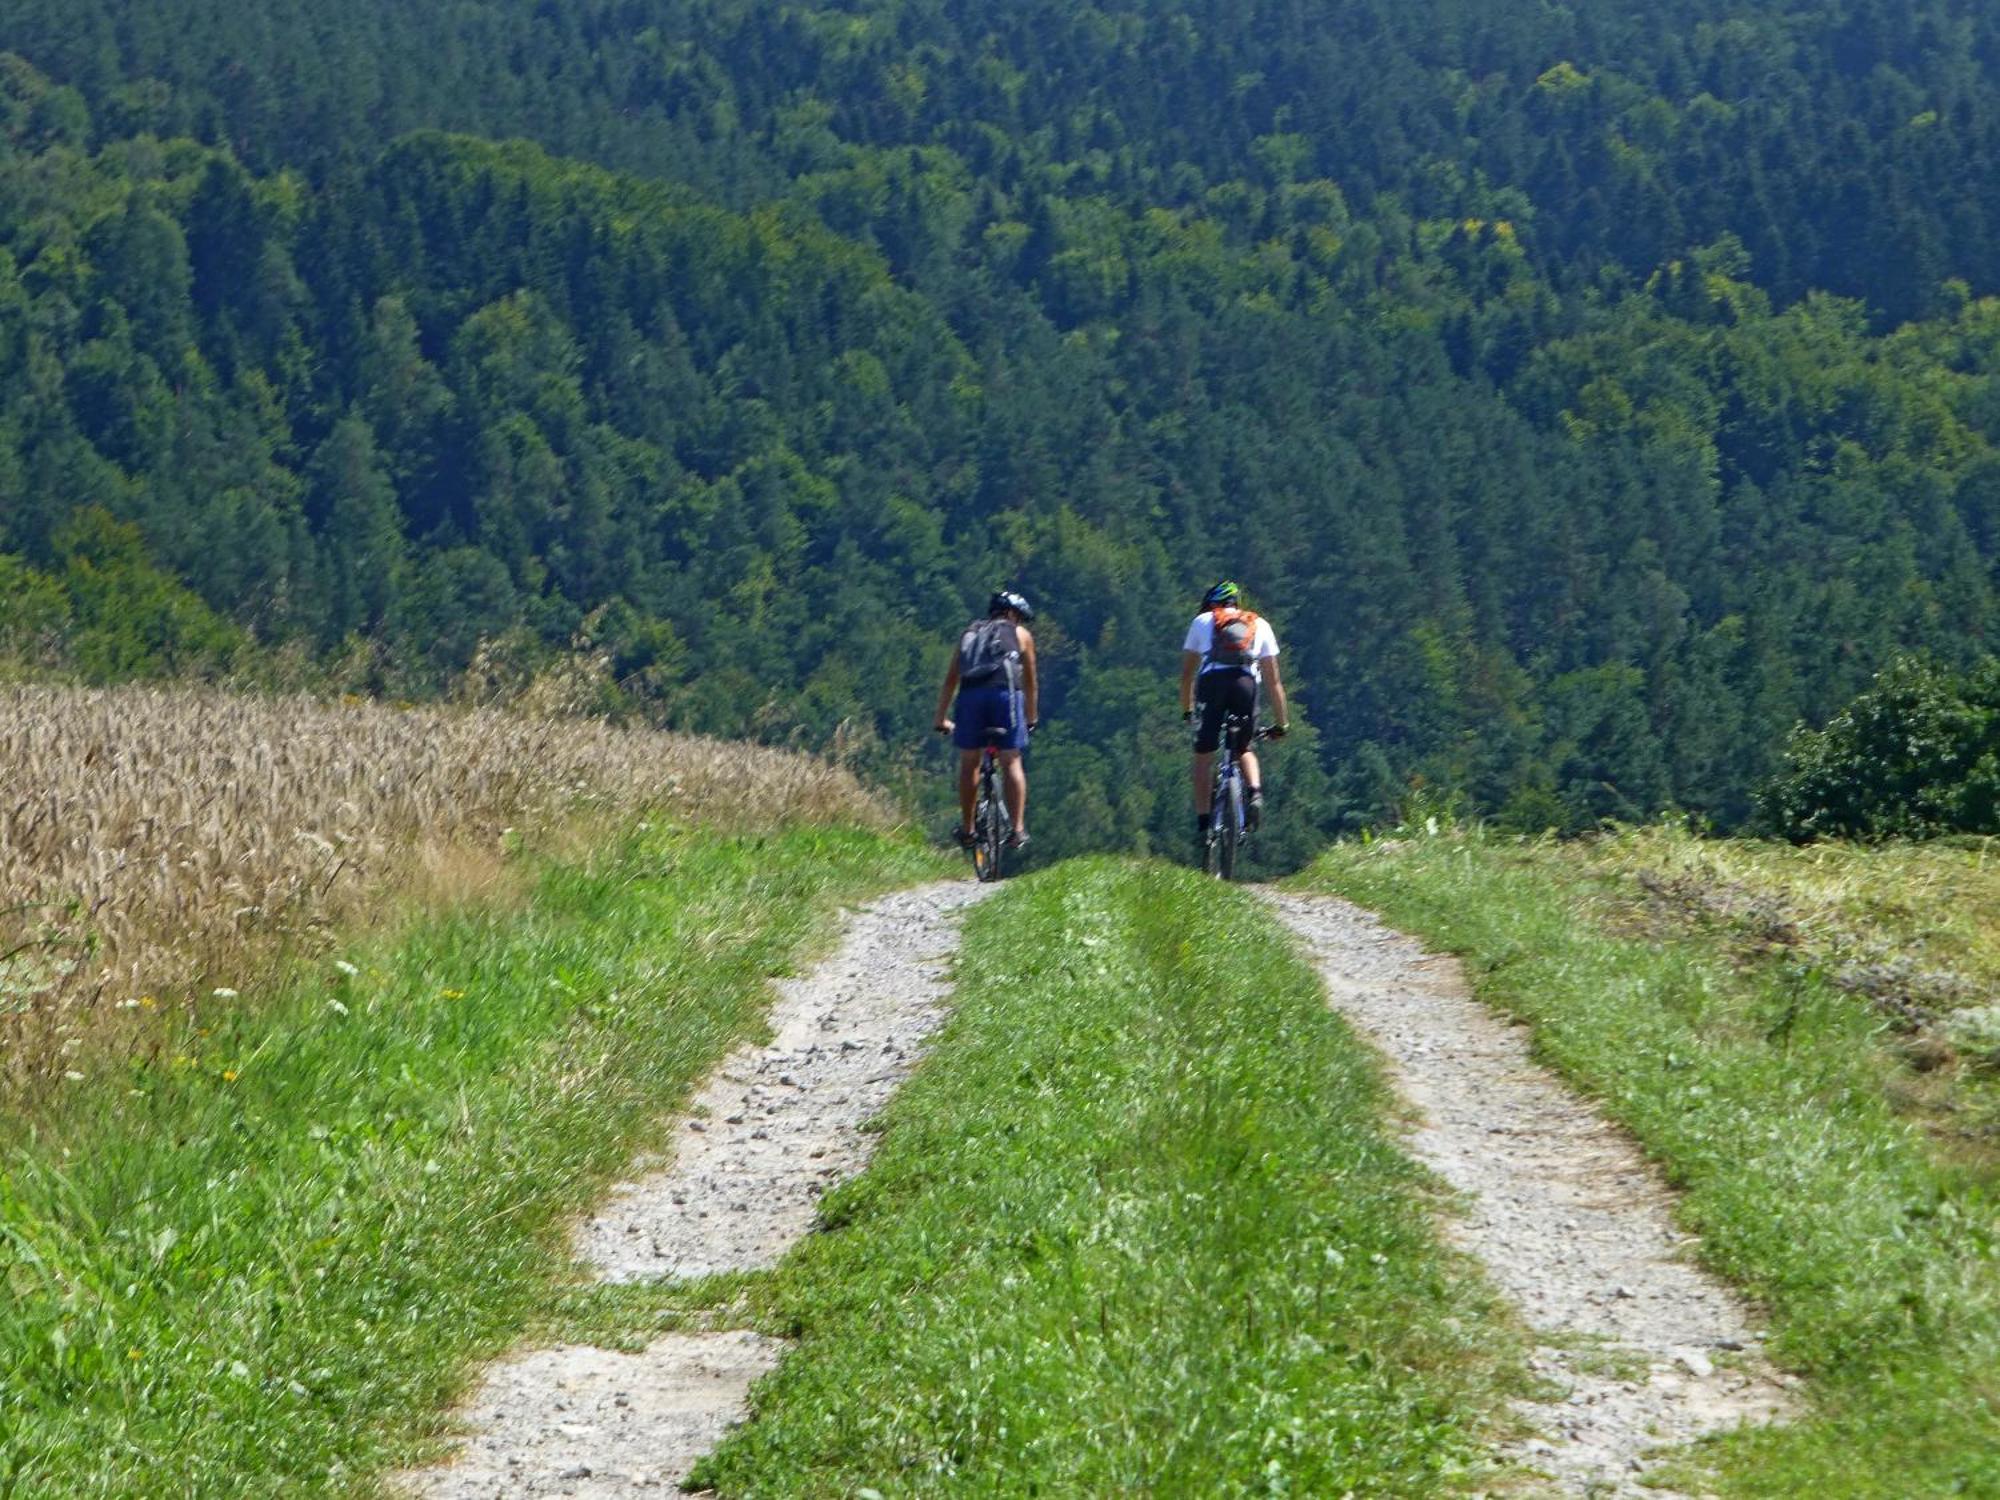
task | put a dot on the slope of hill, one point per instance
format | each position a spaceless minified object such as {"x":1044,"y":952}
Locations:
{"x":1841,"y":140}
{"x":1496,"y":354}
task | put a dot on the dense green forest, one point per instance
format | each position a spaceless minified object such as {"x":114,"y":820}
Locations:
{"x":1588,"y":394}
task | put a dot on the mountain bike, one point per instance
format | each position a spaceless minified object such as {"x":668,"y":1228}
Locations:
{"x":1228,"y":824}
{"x":991,"y":827}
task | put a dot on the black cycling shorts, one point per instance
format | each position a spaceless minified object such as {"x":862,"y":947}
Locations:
{"x":1219,"y":693}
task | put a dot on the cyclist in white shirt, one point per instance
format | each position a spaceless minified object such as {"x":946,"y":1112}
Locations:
{"x":1228,"y":656}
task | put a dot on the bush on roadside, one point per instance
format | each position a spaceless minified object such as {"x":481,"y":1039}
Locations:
{"x":1916,"y":756}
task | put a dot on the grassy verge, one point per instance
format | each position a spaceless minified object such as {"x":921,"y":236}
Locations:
{"x":1134,"y":1229}
{"x":1765,"y":1088}
{"x":259,"y":1260}
{"x":1911,"y":931}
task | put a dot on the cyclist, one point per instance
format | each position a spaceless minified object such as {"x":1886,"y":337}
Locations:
{"x":993,"y":675}
{"x":1229,"y":654}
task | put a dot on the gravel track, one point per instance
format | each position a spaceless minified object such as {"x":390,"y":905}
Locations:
{"x":772,"y":1130}
{"x":1570,"y":1221}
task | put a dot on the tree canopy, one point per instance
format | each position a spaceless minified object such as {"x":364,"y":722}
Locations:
{"x":1587,"y":394}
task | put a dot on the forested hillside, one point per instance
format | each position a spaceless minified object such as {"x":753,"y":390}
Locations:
{"x":1587,"y":394}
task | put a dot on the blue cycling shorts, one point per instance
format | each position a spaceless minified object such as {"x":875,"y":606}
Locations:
{"x":981,"y":709}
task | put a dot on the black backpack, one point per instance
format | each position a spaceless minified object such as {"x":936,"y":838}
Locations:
{"x":989,"y":654}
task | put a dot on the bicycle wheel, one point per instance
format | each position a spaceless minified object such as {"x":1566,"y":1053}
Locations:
{"x":988,"y":834}
{"x":1229,"y":817}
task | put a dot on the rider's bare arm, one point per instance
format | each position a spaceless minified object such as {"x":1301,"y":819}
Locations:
{"x":946,"y":693}
{"x":1190,"y":664}
{"x":1276,"y":685}
{"x":1031,"y":689}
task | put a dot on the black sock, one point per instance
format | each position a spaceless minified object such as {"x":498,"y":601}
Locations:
{"x":1201,"y":822}
{"x":1255,"y":792}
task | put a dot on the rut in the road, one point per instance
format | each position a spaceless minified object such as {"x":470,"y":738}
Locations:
{"x":738,"y":1185}
{"x":1570,"y":1221}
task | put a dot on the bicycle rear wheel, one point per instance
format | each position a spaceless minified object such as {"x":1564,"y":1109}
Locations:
{"x":1213,"y":836}
{"x":1229,"y":815}
{"x":989,"y":834}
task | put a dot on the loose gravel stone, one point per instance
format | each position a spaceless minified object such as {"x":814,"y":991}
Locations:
{"x":598,"y":1425}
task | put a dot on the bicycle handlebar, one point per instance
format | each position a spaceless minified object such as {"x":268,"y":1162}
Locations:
{"x":1264,"y":731}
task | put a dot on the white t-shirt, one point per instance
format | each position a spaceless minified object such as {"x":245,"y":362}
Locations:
{"x":1201,"y":636}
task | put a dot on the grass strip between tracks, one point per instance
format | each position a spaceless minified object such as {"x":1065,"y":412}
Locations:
{"x":1762,"y":1089}
{"x":1135,"y":1228}
{"x":260,"y":1263}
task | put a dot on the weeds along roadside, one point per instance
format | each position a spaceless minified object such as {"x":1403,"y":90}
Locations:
{"x":263,"y":1265}
{"x":161,"y":849}
{"x":1910,"y":930}
{"x":1768,"y":1092}
{"x":1135,"y":1227}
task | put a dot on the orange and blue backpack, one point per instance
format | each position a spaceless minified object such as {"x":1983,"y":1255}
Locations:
{"x":1234,"y":640}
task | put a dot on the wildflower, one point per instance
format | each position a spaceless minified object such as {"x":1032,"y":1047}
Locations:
{"x":345,"y":967}
{"x":452,"y":994}
{"x":147,"y":1002}
{"x":73,"y":1076}
{"x":135,"y":1352}
{"x":224,"y":994}
{"x":336,"y":1007}
{"x":229,"y":1075}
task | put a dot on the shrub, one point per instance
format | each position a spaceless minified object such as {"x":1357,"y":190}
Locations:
{"x":1915,"y":756}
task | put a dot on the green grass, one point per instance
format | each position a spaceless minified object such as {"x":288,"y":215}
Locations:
{"x":1135,"y":1228}
{"x":1909,"y":929}
{"x":262,"y":1261}
{"x":1766,"y":1093}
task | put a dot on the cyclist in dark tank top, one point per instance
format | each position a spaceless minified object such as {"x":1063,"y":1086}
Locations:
{"x":992,"y":677}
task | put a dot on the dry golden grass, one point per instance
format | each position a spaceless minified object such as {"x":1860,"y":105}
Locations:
{"x":1918,"y":922}
{"x":1912,"y":930}
{"x":157,"y":843}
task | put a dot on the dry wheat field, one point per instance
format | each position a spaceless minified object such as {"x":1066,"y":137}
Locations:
{"x":155,"y":843}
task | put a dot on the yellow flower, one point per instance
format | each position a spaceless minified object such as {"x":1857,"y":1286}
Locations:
{"x":148,"y":1002}
{"x":135,"y":1352}
{"x":452,"y":994}
{"x":229,"y":1075}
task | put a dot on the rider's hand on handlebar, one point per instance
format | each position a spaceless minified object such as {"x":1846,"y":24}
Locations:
{"x":1187,"y":716}
{"x":943,"y":726}
{"x":1033,"y":725}
{"x":1277,"y":731}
